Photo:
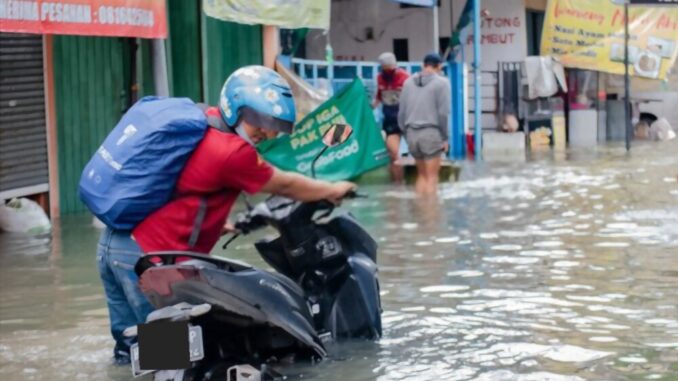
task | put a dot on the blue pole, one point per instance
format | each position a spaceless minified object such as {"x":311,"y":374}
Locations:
{"x":451,"y":127}
{"x":478,"y":79}
{"x":456,"y":75}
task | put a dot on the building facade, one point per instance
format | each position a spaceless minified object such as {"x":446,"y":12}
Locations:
{"x":61,"y":95}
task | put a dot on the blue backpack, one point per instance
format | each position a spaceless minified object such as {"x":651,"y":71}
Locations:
{"x":134,"y":171}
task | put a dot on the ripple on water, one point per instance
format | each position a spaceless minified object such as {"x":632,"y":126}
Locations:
{"x":535,"y":253}
{"x":506,"y":247}
{"x":423,"y":243}
{"x":622,"y":225}
{"x":633,"y":360}
{"x":521,"y":351}
{"x":506,"y":375}
{"x":511,"y":260}
{"x":488,"y":235}
{"x":465,"y":273}
{"x":447,"y":239}
{"x":504,"y":276}
{"x":603,"y":339}
{"x":513,"y":234}
{"x":443,"y":288}
{"x":548,"y":243}
{"x":443,"y":310}
{"x":586,"y":298}
{"x":413,"y":309}
{"x":662,"y":345}
{"x":612,"y":244}
{"x":566,"y":264}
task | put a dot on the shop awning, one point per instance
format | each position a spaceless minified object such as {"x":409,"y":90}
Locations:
{"x":123,"y":18}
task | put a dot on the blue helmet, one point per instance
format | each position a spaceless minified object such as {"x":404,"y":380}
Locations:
{"x":259,"y":96}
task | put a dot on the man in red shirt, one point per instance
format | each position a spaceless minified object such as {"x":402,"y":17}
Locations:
{"x":256,"y":104}
{"x":221,"y":167}
{"x":389,"y":85}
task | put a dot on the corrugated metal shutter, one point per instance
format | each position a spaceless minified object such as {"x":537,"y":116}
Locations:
{"x":23,"y":141}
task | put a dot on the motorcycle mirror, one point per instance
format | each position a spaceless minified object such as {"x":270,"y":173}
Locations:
{"x":337,"y":134}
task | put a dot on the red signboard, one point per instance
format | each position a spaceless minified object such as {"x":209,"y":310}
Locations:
{"x":124,"y":18}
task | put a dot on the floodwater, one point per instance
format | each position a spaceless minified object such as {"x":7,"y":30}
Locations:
{"x":562,"y":268}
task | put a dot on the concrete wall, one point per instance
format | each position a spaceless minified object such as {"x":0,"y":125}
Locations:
{"x":665,"y":109}
{"x":666,"y":91}
{"x":503,"y":32}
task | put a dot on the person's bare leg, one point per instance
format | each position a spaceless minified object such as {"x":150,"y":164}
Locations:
{"x":420,"y":183}
{"x":432,"y":169}
{"x":393,"y":147}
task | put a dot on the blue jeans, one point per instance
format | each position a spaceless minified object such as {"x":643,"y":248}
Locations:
{"x":117,"y":254}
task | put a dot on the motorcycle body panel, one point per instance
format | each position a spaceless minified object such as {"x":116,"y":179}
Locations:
{"x":339,"y":273}
{"x":244,"y":299}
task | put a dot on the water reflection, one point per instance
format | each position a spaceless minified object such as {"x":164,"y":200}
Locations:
{"x":549,"y":269}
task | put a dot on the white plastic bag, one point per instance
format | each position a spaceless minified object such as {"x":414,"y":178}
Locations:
{"x":22,"y":215}
{"x":544,"y":75}
{"x":661,"y":130}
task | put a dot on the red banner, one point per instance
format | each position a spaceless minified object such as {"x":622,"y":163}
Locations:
{"x":123,"y":18}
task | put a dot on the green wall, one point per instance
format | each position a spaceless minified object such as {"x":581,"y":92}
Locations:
{"x":226,"y":47}
{"x":90,"y":95}
{"x":204,"y":51}
{"x":183,"y":49}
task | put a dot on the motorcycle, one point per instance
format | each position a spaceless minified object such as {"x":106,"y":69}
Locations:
{"x":219,"y":317}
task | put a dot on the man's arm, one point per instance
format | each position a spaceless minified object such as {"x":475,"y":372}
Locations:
{"x":377,"y":99}
{"x":402,"y":107}
{"x":302,"y":188}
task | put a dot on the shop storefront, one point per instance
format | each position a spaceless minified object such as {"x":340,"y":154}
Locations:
{"x":65,"y":84}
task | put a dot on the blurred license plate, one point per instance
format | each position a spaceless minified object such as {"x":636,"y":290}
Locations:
{"x":195,"y":347}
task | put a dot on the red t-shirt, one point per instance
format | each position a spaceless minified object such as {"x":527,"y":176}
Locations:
{"x":389,"y":86}
{"x":220,"y":168}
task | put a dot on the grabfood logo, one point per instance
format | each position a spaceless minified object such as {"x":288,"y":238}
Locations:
{"x":329,"y":158}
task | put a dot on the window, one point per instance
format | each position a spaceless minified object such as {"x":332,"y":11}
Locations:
{"x":443,"y":42}
{"x":401,"y":49}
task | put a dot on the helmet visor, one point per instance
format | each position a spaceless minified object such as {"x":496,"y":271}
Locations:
{"x":264,"y":121}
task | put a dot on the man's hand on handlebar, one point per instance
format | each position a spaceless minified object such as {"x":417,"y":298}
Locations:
{"x":340,"y":190}
{"x":229,"y":228}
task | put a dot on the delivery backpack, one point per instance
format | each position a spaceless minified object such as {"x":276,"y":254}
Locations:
{"x":134,"y":171}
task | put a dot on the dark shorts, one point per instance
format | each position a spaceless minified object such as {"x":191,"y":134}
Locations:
{"x":390,"y":127}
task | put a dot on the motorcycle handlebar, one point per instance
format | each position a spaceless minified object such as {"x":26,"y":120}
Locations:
{"x":249,"y":222}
